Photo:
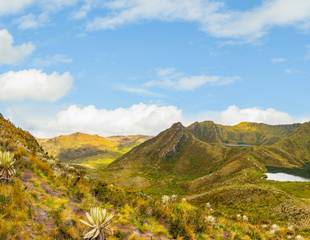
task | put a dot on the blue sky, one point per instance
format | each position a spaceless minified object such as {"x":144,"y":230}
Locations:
{"x":137,"y":66}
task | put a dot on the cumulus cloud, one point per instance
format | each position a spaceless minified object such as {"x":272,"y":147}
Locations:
{"x":11,"y":54}
{"x":234,"y":115}
{"x":136,"y":119}
{"x":212,"y":16}
{"x":13,"y":6}
{"x":34,"y":85}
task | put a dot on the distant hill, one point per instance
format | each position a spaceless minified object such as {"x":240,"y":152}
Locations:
{"x":89,"y":149}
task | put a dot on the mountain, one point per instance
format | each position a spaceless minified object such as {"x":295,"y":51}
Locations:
{"x":178,"y":154}
{"x":273,"y":145}
{"x":89,"y":150}
{"x":204,"y":148}
{"x":175,"y":150}
{"x":207,"y":162}
{"x":13,"y":138}
{"x":244,"y":133}
{"x":46,"y":199}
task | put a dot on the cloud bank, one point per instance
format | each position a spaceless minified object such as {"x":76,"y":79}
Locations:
{"x":234,"y":115}
{"x":34,"y":85}
{"x":136,"y":119}
{"x":147,"y":119}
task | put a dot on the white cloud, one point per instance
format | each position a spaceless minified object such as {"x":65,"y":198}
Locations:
{"x":136,"y":119}
{"x":10,"y":54}
{"x":278,"y":60}
{"x":234,"y":115}
{"x":46,"y":7}
{"x":212,"y":16}
{"x":34,"y":85}
{"x":171,"y":79}
{"x":31,"y":21}
{"x":51,"y":60}
{"x":131,"y":11}
{"x":13,"y":6}
{"x":86,"y":7}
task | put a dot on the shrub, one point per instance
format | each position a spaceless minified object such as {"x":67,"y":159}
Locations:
{"x":7,"y":170}
{"x":98,"y":220}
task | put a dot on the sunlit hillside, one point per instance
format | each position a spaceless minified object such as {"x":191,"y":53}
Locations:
{"x":90,"y":150}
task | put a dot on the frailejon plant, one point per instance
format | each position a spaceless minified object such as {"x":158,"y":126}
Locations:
{"x":98,"y":221}
{"x":7,"y":170}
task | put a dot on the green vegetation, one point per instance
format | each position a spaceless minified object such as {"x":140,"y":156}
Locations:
{"x":174,"y":186}
{"x":229,"y":176}
{"x":7,"y":170}
{"x":90,"y":151}
{"x":98,"y":220}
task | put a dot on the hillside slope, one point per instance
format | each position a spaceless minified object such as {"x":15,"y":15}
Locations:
{"x":47,"y":199}
{"x":176,"y":151}
{"x":89,"y":150}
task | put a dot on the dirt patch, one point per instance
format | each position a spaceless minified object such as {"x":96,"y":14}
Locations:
{"x":50,"y":191}
{"x":26,"y":176}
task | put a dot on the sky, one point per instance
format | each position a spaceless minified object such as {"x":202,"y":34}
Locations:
{"x":119,"y":67}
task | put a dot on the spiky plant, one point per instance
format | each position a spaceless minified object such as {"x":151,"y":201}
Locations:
{"x":7,"y":170}
{"x":99,"y":221}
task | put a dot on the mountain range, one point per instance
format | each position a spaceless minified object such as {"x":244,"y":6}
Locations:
{"x":223,"y":165}
{"x":204,"y":163}
{"x":204,"y":149}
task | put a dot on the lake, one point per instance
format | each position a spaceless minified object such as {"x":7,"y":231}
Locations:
{"x":289,"y":174}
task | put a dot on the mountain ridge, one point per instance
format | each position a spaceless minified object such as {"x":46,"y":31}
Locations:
{"x":192,"y":152}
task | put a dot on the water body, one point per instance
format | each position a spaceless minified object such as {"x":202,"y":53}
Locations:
{"x":284,"y":177}
{"x":289,"y":174}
